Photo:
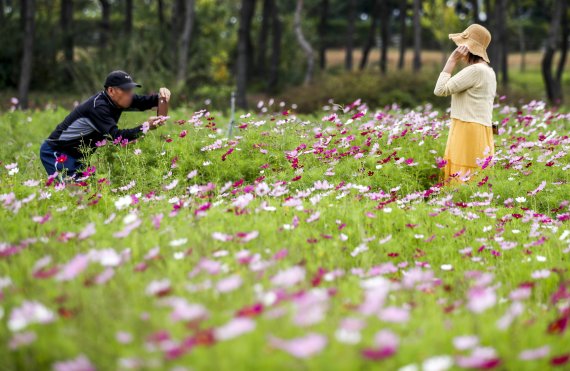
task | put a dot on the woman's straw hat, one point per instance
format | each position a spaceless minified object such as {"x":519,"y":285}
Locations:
{"x":476,"y":38}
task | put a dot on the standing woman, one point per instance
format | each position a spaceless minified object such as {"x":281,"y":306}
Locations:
{"x":472,"y":93}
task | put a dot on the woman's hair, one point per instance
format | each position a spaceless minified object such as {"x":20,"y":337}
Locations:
{"x":472,"y":58}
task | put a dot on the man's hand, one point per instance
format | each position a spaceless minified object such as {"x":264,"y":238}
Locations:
{"x":164,"y":93}
{"x":154,"y":122}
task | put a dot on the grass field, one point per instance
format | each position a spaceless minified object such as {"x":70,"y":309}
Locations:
{"x":304,"y":242}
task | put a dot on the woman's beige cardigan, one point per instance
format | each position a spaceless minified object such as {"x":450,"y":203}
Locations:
{"x":472,"y":93}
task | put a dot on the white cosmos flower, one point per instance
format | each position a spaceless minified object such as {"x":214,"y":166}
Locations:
{"x":178,"y":242}
{"x":123,"y":202}
{"x":437,"y":363}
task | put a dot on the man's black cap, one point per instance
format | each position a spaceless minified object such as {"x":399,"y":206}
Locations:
{"x":120,"y":79}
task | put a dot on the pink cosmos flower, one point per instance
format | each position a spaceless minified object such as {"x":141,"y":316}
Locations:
{"x":234,"y":328}
{"x":61,"y":158}
{"x":247,"y":236}
{"x":21,"y":339}
{"x":124,"y":337}
{"x":465,"y":342}
{"x":385,"y":345}
{"x":72,"y":269}
{"x":156,"y":219}
{"x":184,"y":311}
{"x":158,"y":287}
{"x":29,"y":312}
{"x":229,"y":284}
{"x":483,"y":358}
{"x":81,"y":363}
{"x":394,"y":314}
{"x":536,"y":353}
{"x":87,"y":232}
{"x":289,"y":277}
{"x":303,"y":347}
{"x":481,"y":298}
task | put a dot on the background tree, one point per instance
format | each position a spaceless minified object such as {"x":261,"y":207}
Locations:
{"x":184,"y":42}
{"x":28,"y":15}
{"x":66,"y":22}
{"x":557,"y":35}
{"x":244,"y":54}
{"x":323,"y":29}
{"x":304,"y":43}
{"x":128,"y":16}
{"x":266,"y":14}
{"x":442,"y":20}
{"x":499,"y":46}
{"x":351,"y":23}
{"x":78,"y":41}
{"x":475,"y":11}
{"x":372,"y":33}
{"x":417,"y":35}
{"x":384,"y":34}
{"x":402,"y":10}
{"x":105,"y":23}
{"x":276,"y":39}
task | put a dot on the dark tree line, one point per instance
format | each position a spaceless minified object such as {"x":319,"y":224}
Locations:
{"x":267,"y":29}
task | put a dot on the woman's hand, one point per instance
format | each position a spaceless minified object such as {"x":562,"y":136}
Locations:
{"x":459,"y":54}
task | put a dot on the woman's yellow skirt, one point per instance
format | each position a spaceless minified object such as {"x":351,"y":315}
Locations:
{"x":467,"y":142}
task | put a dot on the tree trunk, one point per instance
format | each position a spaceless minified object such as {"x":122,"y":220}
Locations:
{"x":66,"y":22}
{"x":176,"y":25}
{"x":323,"y":26}
{"x":417,"y":36}
{"x":276,"y":35}
{"x":385,"y":35}
{"x":350,"y":34}
{"x":502,"y":42}
{"x":488,"y":12}
{"x":2,"y":15}
{"x":28,"y":52}
{"x":403,"y":10}
{"x":128,"y":16}
{"x":105,"y":22}
{"x":374,"y":19}
{"x":161,"y":13}
{"x":303,"y":42}
{"x":23,"y":5}
{"x":475,"y":8}
{"x":263,"y":33}
{"x":552,"y":83}
{"x":243,"y":58}
{"x":563,"y":43}
{"x":184,"y":42}
{"x":522,"y":47}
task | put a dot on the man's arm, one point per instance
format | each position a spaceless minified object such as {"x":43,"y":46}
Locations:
{"x":103,"y":120}
{"x":143,"y":102}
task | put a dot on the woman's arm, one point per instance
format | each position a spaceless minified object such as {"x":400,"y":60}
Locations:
{"x":447,"y":85}
{"x":458,"y":54}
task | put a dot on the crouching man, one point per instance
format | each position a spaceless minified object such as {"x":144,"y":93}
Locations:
{"x":94,"y":120}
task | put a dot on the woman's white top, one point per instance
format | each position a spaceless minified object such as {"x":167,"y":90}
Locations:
{"x":472,"y":91}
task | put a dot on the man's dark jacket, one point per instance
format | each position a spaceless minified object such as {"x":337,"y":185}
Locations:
{"x":94,"y":120}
